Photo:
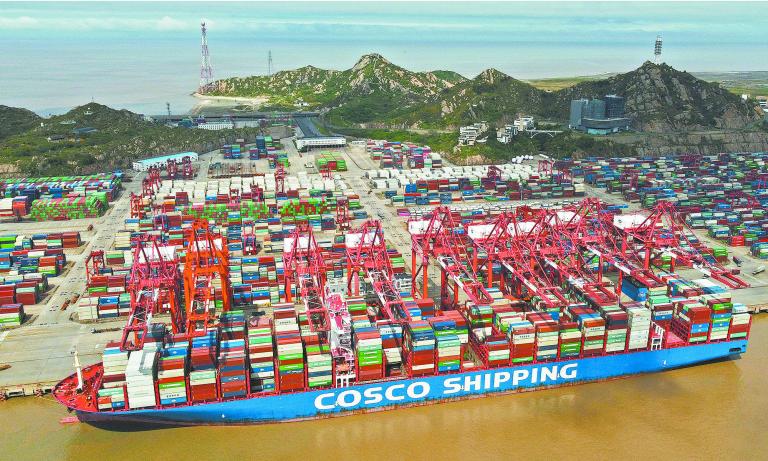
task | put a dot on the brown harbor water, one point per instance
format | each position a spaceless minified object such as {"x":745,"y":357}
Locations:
{"x":714,"y":411}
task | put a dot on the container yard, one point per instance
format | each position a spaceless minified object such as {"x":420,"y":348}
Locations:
{"x":724,"y":194}
{"x":284,"y":283}
{"x":58,"y":198}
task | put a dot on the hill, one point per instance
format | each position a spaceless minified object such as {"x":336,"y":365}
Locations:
{"x":120,"y":137}
{"x":377,"y":93}
{"x":660,"y":98}
{"x":373,"y":89}
{"x":492,"y":96}
{"x":14,"y":120}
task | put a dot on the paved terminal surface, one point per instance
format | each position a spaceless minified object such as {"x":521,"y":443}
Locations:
{"x":40,"y":351}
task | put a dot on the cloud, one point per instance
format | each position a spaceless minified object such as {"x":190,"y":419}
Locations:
{"x":169,"y":23}
{"x":165,"y":23}
{"x":21,"y":22}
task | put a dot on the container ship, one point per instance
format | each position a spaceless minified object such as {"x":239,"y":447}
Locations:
{"x":529,"y":299}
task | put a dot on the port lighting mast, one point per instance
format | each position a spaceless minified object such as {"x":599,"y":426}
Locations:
{"x":206,"y":71}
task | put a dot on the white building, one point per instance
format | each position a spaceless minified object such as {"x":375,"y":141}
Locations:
{"x":506,"y":134}
{"x":524,"y":123}
{"x":468,"y":134}
{"x":216,"y":125}
{"x":323,"y":141}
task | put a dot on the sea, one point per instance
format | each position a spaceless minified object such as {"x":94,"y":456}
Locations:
{"x":142,"y":56}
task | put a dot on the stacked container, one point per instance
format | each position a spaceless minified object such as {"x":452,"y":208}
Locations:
{"x":319,"y":360}
{"x":391,"y":343}
{"x":233,"y":375}
{"x":547,"y":335}
{"x":639,"y":321}
{"x":290,"y":350}
{"x":111,"y":396}
{"x":171,"y":373}
{"x":368,"y":350}
{"x":261,"y":356}
{"x":420,"y":342}
{"x":202,"y":367}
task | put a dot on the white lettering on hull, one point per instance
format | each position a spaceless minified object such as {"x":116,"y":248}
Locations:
{"x":415,"y":391}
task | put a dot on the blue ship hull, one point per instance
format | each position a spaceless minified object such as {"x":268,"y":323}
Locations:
{"x":418,"y":391}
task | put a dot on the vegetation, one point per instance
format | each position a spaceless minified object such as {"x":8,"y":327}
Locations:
{"x":566,"y":144}
{"x":557,"y":84}
{"x":14,"y":120}
{"x":120,"y":137}
{"x":437,"y":141}
{"x":378,"y":94}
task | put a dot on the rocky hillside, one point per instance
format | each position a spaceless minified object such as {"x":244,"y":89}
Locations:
{"x":662,"y":99}
{"x":121,"y":137}
{"x":322,"y":88}
{"x":377,"y":93}
{"x":492,"y":96}
{"x":14,"y":120}
{"x":373,"y":88}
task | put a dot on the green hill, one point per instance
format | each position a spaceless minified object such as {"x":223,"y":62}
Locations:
{"x":51,"y":148}
{"x":377,"y":93}
{"x":14,"y":120}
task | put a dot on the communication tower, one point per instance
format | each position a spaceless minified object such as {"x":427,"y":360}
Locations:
{"x":206,"y":71}
{"x":657,"y":50}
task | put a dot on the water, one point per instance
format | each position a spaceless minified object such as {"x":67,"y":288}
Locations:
{"x":140,"y":56}
{"x":715,"y":411}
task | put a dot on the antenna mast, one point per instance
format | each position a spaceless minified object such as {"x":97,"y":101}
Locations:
{"x":657,"y":50}
{"x":206,"y":71}
{"x":269,"y":63}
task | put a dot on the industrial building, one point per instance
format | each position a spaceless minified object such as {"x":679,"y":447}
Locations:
{"x":160,"y":162}
{"x":322,"y":141}
{"x":215,"y":125}
{"x":308,"y":137}
{"x":599,"y":116}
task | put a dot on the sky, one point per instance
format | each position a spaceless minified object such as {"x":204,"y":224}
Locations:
{"x":141,"y":55}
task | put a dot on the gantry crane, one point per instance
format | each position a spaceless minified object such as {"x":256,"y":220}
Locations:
{"x":367,"y":252}
{"x":206,"y":277}
{"x":508,"y":241}
{"x":304,"y":266}
{"x":154,"y":284}
{"x":172,"y":168}
{"x":436,"y":238}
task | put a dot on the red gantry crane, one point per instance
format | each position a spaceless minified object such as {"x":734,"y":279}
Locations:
{"x":437,"y":238}
{"x":367,"y":252}
{"x":509,"y":241}
{"x":664,"y":233}
{"x":304,"y":266}
{"x":154,"y":284}
{"x":206,"y":277}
